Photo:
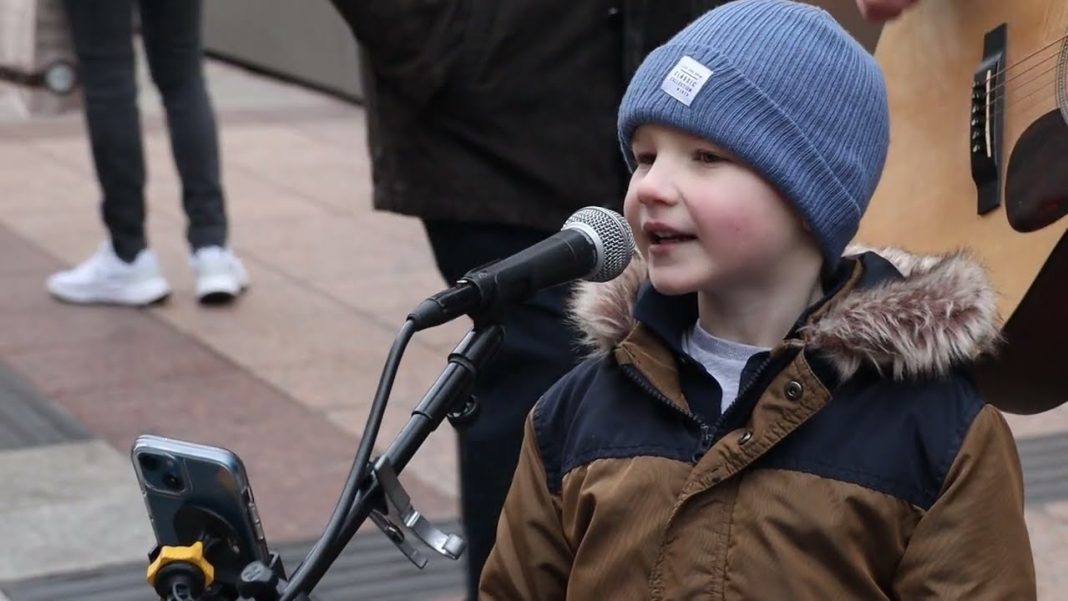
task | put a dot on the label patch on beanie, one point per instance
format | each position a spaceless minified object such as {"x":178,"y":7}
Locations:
{"x":685,"y":80}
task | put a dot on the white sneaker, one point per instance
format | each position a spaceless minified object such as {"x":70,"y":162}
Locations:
{"x":105,"y":278}
{"x":220,"y":275}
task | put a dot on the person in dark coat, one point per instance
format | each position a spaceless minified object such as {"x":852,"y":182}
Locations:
{"x":492,"y":121}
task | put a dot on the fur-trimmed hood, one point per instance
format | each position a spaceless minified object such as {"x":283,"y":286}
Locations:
{"x":943,"y":312}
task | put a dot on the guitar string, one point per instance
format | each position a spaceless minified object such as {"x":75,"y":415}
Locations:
{"x":1039,"y":77}
{"x":999,"y":86}
{"x":1022,"y":102}
{"x":1017,"y":75}
{"x":1032,"y":55}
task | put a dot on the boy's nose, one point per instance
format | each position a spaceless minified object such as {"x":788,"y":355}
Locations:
{"x":655,"y":186}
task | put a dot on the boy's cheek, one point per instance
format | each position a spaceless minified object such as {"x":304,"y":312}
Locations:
{"x":639,"y":237}
{"x":631,"y":214}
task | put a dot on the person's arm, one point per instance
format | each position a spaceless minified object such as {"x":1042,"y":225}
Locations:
{"x":531,"y":559}
{"x":412,"y":43}
{"x":883,"y":10}
{"x":973,"y":543}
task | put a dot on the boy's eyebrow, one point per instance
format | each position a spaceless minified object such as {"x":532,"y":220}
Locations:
{"x":718,"y":150}
{"x":710,"y":145}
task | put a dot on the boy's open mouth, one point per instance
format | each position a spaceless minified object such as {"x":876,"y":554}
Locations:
{"x":663,"y":234}
{"x":669,"y":238}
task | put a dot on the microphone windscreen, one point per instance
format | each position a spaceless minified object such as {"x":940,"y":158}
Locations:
{"x":610,"y":234}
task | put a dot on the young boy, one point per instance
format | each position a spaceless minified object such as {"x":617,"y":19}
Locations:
{"x":765,"y":418}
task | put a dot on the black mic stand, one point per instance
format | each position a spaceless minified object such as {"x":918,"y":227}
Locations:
{"x":381,"y":497}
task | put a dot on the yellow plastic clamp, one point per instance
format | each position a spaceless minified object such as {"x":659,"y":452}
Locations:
{"x":193,"y":554}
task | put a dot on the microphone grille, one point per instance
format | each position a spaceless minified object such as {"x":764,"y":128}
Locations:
{"x":612,"y":237}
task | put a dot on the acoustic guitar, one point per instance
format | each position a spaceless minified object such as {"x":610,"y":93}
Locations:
{"x":979,"y":160}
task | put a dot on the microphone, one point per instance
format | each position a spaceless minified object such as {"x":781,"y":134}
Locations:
{"x":595,"y":244}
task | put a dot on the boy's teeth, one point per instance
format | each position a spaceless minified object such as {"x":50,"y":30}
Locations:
{"x":667,"y":237}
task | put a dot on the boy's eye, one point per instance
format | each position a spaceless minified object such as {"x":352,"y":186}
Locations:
{"x":707,"y":156}
{"x":645,"y":158}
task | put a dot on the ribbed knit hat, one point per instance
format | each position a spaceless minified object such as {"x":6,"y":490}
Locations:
{"x":784,"y":88}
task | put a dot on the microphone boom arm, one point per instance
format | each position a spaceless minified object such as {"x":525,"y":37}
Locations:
{"x":449,"y":396}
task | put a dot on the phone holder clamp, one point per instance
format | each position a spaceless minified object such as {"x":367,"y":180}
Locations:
{"x":399,"y":509}
{"x":180,"y":571}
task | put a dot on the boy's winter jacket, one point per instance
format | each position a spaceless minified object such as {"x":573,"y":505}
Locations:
{"x":858,"y":462}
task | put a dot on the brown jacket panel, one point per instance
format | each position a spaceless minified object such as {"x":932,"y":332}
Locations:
{"x":614,"y":514}
{"x":592,"y":526}
{"x":964,"y":548}
{"x":534,"y":561}
{"x":809,"y":537}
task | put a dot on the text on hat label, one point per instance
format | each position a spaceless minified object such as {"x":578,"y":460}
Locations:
{"x":685,"y":80}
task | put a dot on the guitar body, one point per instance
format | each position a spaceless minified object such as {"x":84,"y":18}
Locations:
{"x":927,"y":200}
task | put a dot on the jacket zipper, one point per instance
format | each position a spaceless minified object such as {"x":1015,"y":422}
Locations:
{"x":638,"y":378}
{"x":738,"y":398}
{"x":785,"y":357}
{"x":707,"y":431}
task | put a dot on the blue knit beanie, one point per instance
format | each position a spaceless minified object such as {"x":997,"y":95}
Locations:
{"x":784,"y":88}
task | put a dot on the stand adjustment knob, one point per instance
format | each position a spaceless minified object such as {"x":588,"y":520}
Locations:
{"x":193,"y":555}
{"x":258,"y":581}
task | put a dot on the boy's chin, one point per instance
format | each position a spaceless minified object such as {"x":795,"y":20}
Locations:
{"x":672,"y":286}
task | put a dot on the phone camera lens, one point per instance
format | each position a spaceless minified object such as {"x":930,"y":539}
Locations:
{"x":172,"y":481}
{"x":149,"y":463}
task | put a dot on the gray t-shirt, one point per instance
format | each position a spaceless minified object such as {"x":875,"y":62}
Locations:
{"x":723,"y":359}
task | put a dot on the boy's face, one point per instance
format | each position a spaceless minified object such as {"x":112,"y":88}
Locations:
{"x":705,"y":222}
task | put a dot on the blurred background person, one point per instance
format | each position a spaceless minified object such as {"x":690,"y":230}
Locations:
{"x":473,"y":119}
{"x":125,"y":270}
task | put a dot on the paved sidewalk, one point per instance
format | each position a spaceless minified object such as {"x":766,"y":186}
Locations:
{"x":285,"y":376}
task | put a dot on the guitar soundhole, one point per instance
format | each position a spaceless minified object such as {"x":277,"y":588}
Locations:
{"x":1036,"y":190}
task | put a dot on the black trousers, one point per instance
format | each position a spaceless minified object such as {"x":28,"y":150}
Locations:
{"x":537,"y":350}
{"x":103,"y":41}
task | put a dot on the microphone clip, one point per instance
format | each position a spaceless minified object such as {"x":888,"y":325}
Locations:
{"x":444,"y":306}
{"x":398,"y":509}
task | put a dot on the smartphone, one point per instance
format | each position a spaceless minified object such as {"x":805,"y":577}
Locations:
{"x":199,"y":492}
